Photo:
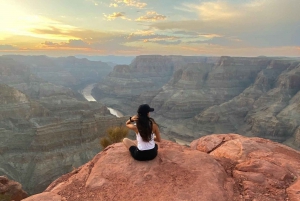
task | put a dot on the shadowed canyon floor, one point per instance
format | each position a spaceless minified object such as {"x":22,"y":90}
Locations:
{"x":221,"y":167}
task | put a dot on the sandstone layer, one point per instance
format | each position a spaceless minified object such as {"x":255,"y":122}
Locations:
{"x":218,"y":167}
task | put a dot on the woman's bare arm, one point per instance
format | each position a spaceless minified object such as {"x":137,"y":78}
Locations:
{"x":157,"y":133}
{"x":130,"y":125}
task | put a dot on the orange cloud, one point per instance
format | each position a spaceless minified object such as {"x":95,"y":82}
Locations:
{"x":151,"y":16}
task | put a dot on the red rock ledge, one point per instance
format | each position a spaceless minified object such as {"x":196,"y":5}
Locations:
{"x":224,"y":167}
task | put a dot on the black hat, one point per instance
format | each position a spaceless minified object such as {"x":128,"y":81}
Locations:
{"x":144,"y":109}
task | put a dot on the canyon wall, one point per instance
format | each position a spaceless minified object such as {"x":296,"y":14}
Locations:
{"x":256,"y":96}
{"x":45,"y":129}
{"x":128,"y":85}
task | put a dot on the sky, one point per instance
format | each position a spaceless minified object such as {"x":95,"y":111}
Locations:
{"x":140,"y":27}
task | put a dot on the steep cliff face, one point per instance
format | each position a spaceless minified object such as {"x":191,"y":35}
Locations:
{"x":128,"y":85}
{"x":199,"y":86}
{"x":268,"y":108}
{"x":145,"y":73}
{"x":215,"y":168}
{"x":254,"y":96}
{"x":45,"y":131}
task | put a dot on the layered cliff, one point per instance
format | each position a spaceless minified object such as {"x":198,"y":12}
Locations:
{"x":268,"y":108}
{"x":45,"y":130}
{"x":255,"y":96}
{"x":128,"y":85}
{"x":216,"y":168}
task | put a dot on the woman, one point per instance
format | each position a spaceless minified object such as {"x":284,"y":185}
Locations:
{"x":146,"y":131}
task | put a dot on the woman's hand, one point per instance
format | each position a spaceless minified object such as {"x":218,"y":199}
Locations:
{"x":134,"y":118}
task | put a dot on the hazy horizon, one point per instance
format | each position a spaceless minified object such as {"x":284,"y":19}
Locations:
{"x":143,"y":27}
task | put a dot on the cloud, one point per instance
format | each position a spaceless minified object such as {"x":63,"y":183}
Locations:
{"x":115,"y":15}
{"x":210,"y":11}
{"x":8,"y":47}
{"x":71,"y":43}
{"x":132,"y":3}
{"x":112,"y":46}
{"x":113,"y":5}
{"x":165,"y":42}
{"x":162,"y":39}
{"x":222,"y":41}
{"x":151,"y":16}
{"x":89,"y":35}
{"x":260,"y":23}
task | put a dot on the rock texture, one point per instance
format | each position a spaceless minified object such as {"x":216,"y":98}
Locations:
{"x":11,"y":190}
{"x":261,"y":169}
{"x":217,"y":167}
{"x":45,"y":129}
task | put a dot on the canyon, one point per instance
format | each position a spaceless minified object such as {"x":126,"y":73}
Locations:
{"x":46,"y":130}
{"x":197,"y":96}
{"x":54,"y":110}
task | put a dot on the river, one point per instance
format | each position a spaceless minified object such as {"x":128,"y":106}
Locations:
{"x":87,"y":93}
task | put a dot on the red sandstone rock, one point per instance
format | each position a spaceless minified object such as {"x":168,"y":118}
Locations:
{"x":263,"y":170}
{"x":11,"y":190}
{"x":177,"y":173}
{"x":237,"y":168}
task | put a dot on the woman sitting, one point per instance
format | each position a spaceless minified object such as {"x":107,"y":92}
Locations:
{"x":146,"y":130}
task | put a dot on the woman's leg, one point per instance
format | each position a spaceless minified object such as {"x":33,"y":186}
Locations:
{"x":128,"y":143}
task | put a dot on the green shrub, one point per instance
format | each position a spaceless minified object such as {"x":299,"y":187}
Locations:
{"x":114,"y":135}
{"x":5,"y":197}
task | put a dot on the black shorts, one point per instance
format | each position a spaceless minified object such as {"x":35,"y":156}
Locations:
{"x":144,"y":155}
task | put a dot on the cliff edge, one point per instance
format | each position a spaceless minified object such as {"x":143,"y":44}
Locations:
{"x":224,"y":167}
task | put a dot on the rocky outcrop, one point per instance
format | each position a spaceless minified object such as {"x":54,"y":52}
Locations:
{"x":261,"y":169}
{"x":11,"y":190}
{"x":216,"y":167}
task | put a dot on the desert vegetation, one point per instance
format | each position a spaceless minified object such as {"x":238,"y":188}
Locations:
{"x":114,"y":135}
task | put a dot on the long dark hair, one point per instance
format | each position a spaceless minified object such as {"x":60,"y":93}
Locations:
{"x":144,"y":125}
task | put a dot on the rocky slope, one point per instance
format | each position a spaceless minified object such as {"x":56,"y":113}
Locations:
{"x":45,"y":130}
{"x":216,"y":168}
{"x":65,"y":71}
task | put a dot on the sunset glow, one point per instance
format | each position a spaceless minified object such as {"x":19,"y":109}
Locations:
{"x":134,"y":27}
